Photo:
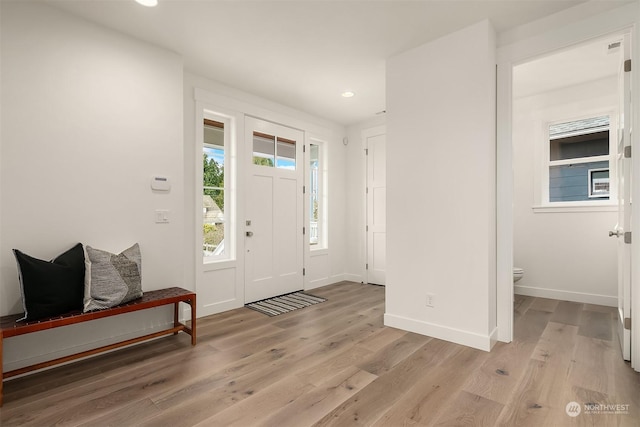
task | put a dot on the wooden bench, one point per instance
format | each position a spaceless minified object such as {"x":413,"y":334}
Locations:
{"x":11,"y":328}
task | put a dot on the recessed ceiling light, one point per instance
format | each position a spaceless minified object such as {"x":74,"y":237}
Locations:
{"x":148,"y":3}
{"x":348,"y":94}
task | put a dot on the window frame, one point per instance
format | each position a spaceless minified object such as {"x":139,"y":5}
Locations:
{"x":229,"y":221}
{"x":322,"y":243}
{"x":543,"y":204}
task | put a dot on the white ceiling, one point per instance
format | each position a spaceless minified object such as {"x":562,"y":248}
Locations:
{"x":303,"y":53}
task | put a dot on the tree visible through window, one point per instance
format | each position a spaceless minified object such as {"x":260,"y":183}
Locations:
{"x":213,"y":189}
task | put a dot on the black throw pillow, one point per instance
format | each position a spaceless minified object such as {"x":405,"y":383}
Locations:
{"x":51,"y":288}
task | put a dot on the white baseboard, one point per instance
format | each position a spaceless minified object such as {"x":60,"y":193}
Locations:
{"x":318,"y":283}
{"x":493,"y":337}
{"x":470,"y":339}
{"x":610,"y":301}
{"x":336,"y":278}
{"x":353,"y":277}
{"x":219,"y":307}
{"x":324,"y":281}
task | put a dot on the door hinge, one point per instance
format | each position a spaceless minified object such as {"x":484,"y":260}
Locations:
{"x":627,"y":237}
{"x":366,"y":266}
{"x":367,"y":228}
{"x":304,"y":271}
{"x":366,"y":151}
{"x":367,"y":190}
{"x":304,"y":230}
{"x":304,"y":189}
{"x":627,"y":323}
{"x":627,"y":65}
{"x":304,"y":148}
{"x":627,"y":152}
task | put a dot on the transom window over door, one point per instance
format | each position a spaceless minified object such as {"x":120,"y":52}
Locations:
{"x":579,"y":161}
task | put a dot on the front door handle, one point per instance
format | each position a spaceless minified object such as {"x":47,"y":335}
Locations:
{"x":616,"y":233}
{"x":249,"y":233}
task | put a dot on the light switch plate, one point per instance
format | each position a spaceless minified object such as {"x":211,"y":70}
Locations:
{"x":162,"y":216}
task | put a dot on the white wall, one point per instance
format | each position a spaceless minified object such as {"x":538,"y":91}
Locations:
{"x":441,"y":188}
{"x":89,"y":116}
{"x":565,"y":255}
{"x":220,"y":286}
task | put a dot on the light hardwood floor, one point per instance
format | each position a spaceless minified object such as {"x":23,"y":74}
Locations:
{"x":336,"y":364}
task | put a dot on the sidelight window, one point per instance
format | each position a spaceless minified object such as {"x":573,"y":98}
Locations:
{"x":214,"y":197}
{"x":317,"y":193}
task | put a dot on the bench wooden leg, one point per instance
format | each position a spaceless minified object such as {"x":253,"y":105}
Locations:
{"x":1,"y":373}
{"x":193,"y":320}
{"x":176,"y":317}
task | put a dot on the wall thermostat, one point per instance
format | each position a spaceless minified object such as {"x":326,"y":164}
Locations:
{"x":160,"y":183}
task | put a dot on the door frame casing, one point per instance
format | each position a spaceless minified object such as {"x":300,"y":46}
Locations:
{"x":619,"y":20}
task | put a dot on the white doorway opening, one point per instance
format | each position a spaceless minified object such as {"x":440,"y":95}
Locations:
{"x":546,"y":42}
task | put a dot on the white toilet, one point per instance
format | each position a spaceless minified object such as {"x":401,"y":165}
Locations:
{"x":517,"y":274}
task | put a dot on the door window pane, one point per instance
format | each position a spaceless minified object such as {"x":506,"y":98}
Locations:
{"x":263,"y":149}
{"x":286,"y":154}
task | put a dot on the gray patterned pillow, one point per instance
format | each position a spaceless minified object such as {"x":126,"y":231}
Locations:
{"x":111,"y":279}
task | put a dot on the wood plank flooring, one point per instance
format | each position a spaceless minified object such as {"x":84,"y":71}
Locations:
{"x":335,"y":364}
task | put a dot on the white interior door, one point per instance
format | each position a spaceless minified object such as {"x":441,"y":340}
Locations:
{"x":274,"y":222}
{"x":623,"y":227}
{"x":375,"y":145}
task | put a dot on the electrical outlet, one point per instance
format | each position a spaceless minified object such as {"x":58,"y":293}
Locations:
{"x":431,"y":300}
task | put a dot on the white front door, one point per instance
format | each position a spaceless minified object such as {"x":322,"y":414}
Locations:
{"x":375,"y":145}
{"x":274,"y":221}
{"x":623,"y":228}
